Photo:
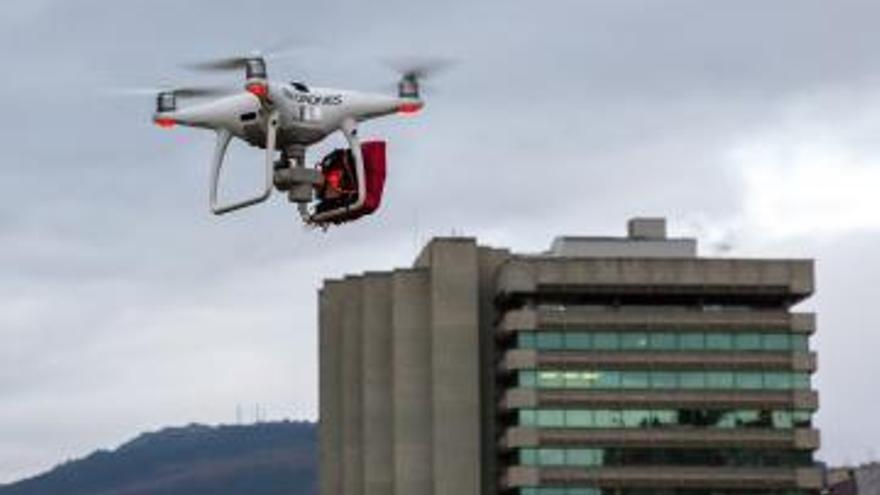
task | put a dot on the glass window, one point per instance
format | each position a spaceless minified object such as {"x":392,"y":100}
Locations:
{"x":634,"y":341}
{"x":728,"y":419}
{"x":527,"y":379}
{"x":663,"y":341}
{"x":574,"y":379}
{"x":606,"y":418}
{"x":692,"y":341}
{"x":719,"y":380}
{"x":777,"y":342}
{"x":802,"y":419}
{"x":551,"y":418}
{"x":578,"y":341}
{"x":634,"y":379}
{"x":782,"y":419}
{"x":800,"y":381}
{"x":551,"y":457}
{"x":608,"y":379}
{"x":777,"y":380}
{"x":579,"y":418}
{"x":692,"y":379}
{"x":528,"y":417}
{"x":584,"y":491}
{"x":582,"y":379}
{"x":606,"y":341}
{"x":664,"y":380}
{"x":747,"y":342}
{"x":665,"y":417}
{"x":636,"y":419}
{"x":800,"y":343}
{"x":748,"y":418}
{"x":528,"y":457}
{"x":749,"y":381}
{"x":719,"y":341}
{"x":551,"y":379}
{"x":582,"y":457}
{"x":549,"y":340}
{"x":525,"y":340}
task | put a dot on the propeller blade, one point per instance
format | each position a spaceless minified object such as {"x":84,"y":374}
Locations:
{"x":283,"y":48}
{"x":224,"y":64}
{"x":419,"y":67}
{"x":202,"y":91}
{"x":181,"y":91}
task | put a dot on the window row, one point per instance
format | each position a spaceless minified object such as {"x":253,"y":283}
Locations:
{"x":662,"y":341}
{"x":628,"y":456}
{"x":663,"y":418}
{"x":547,"y":490}
{"x":665,"y":380}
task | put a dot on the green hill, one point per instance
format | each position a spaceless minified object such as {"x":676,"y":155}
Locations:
{"x":259,"y":459}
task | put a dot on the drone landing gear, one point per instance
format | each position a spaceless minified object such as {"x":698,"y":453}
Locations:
{"x":223,"y":139}
{"x":348,"y":182}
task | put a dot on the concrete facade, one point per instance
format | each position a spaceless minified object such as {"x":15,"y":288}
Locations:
{"x":455,"y":376}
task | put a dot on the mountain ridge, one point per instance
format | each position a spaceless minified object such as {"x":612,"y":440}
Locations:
{"x":270,"y":458}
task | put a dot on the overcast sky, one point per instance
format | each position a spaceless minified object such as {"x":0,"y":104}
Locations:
{"x":125,"y":306}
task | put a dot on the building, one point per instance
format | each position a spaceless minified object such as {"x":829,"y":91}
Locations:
{"x":859,"y":480}
{"x":602,"y":366}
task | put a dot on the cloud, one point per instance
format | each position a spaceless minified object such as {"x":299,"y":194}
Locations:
{"x":815,"y":169}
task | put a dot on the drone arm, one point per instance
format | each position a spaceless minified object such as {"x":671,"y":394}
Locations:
{"x":223,"y":139}
{"x":349,"y":130}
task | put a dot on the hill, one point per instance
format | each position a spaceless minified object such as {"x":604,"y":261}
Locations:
{"x":259,"y":459}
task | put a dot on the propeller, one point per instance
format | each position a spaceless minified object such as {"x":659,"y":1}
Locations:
{"x":166,"y":96}
{"x":414,"y":70}
{"x":419,"y":67}
{"x":280,"y":49}
{"x":180,"y":91}
{"x":221,"y":64}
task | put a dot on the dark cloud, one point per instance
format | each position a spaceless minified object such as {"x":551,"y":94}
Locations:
{"x":125,"y":306}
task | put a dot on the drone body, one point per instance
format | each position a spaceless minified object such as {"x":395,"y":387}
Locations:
{"x":289,"y":117}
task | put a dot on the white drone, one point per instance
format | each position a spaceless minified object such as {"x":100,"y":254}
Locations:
{"x":289,"y":117}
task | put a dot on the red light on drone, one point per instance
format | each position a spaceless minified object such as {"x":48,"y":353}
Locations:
{"x":334,"y":179}
{"x":165,"y":123}
{"x":260,"y":90}
{"x":409,"y":108}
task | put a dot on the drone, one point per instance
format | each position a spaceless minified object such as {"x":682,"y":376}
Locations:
{"x":288,"y":117}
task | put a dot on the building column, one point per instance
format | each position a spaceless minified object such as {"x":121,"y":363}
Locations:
{"x":376,"y":370}
{"x":352,"y":389}
{"x":411,"y":383}
{"x":330,"y":393}
{"x":455,"y":361}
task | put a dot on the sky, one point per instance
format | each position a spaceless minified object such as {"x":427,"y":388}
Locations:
{"x":125,"y":306}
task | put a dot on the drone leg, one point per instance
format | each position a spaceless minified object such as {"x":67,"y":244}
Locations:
{"x":223,"y":139}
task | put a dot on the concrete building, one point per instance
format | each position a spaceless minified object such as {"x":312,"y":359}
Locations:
{"x":602,"y":366}
{"x":859,"y":480}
